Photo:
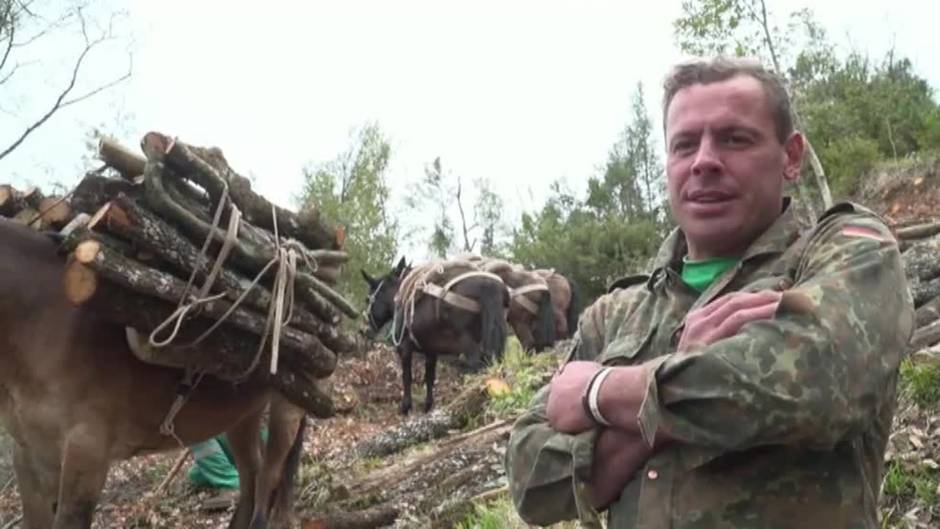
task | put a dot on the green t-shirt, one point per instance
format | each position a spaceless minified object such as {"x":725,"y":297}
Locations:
{"x":700,"y":274}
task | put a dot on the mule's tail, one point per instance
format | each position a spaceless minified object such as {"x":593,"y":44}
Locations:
{"x":545,"y":323}
{"x":574,"y":308}
{"x":283,"y":497}
{"x":493,"y":302}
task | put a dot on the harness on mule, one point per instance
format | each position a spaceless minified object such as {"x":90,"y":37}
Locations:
{"x":420,"y":281}
{"x":518,"y":295}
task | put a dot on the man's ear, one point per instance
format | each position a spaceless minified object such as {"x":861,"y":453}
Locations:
{"x":794,"y":148}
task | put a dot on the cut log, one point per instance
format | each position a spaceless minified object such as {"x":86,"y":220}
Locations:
{"x":95,"y":191}
{"x":230,"y":355}
{"x":30,"y":217}
{"x":33,"y":197}
{"x":928,"y":313}
{"x":131,"y":221}
{"x":79,"y":221}
{"x":209,"y":169}
{"x":921,"y":231}
{"x":455,"y":415}
{"x":8,"y":200}
{"x":921,"y":262}
{"x":79,"y":282}
{"x":56,"y":211}
{"x":250,"y":258}
{"x":314,"y":357}
{"x":303,"y":391}
{"x":373,"y":517}
{"x":924,"y":291}
{"x":926,"y":336}
{"x":126,"y":162}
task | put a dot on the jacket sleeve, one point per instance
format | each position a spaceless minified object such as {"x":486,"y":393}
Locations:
{"x":816,"y":372}
{"x":547,"y":470}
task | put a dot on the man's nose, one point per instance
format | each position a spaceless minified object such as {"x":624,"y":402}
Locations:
{"x":707,"y":159}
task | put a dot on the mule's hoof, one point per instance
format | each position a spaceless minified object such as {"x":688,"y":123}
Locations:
{"x":428,"y":406}
{"x":405,"y":408}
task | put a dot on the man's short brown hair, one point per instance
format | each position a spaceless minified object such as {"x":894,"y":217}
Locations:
{"x":720,"y":69}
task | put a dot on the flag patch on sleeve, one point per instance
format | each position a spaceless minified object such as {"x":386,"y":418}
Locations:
{"x":863,"y":232}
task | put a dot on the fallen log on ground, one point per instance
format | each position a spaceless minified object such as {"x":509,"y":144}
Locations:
{"x":454,"y":416}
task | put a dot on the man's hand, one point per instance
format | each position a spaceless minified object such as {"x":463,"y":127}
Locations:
{"x":565,"y":411}
{"x":725,"y":316}
{"x":617,"y":457}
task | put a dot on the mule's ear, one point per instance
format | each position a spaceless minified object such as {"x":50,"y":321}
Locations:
{"x":400,"y":267}
{"x":368,"y":278}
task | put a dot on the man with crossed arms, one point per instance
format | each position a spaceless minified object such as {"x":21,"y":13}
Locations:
{"x":749,"y":380}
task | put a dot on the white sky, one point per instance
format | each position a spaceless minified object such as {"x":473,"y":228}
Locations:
{"x":519,"y":92}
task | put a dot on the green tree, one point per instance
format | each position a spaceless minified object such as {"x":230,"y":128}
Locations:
{"x":352,"y":191}
{"x":488,"y":213}
{"x":749,"y":28}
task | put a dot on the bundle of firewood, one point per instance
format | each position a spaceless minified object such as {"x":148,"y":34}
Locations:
{"x":178,"y":248}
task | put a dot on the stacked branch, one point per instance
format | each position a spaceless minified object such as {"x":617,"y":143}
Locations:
{"x":161,"y":249}
{"x":920,"y":244}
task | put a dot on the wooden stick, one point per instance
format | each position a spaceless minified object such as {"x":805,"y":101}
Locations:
{"x":250,"y":257}
{"x":174,"y":470}
{"x":921,"y":231}
{"x":126,"y":162}
{"x":131,"y":221}
{"x":312,"y":357}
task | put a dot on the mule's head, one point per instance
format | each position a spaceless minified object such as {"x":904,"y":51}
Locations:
{"x":381,"y":299}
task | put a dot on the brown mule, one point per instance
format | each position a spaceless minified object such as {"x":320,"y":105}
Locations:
{"x":75,"y":398}
{"x":565,"y":302}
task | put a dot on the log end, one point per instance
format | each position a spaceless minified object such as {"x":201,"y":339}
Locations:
{"x":30,"y":217}
{"x":79,"y":282}
{"x":87,"y":251}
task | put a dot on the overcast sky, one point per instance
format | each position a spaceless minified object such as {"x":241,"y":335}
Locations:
{"x":519,"y":92}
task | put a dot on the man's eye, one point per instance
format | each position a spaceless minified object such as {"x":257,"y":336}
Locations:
{"x":682,"y":146}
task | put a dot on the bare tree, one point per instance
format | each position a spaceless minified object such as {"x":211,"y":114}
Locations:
{"x":23,"y":23}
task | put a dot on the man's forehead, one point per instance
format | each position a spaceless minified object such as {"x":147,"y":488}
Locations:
{"x":740,"y":98}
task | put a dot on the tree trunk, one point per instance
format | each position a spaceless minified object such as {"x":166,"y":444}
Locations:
{"x":378,"y":516}
{"x":249,"y":257}
{"x":209,"y":169}
{"x":10,"y":201}
{"x":128,"y":219}
{"x":924,"y":291}
{"x":94,"y":191}
{"x":229,"y":355}
{"x":928,"y":312}
{"x":56,"y":211}
{"x":922,"y":260}
{"x":921,"y":231}
{"x":312,"y":357}
{"x":120,"y":158}
{"x":926,"y":336}
{"x":438,"y":423}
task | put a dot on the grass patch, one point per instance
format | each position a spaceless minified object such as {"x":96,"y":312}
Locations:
{"x":500,"y":514}
{"x":922,"y":383}
{"x":524,"y":373}
{"x":909,"y":481}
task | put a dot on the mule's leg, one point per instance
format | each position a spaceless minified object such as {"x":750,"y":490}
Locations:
{"x":405,"y":352}
{"x":245,"y":441}
{"x":474,"y":352}
{"x":283,"y":426}
{"x":84,"y":470}
{"x":37,"y":500}
{"x":430,"y":373}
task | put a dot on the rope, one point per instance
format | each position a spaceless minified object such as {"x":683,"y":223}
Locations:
{"x":42,"y":213}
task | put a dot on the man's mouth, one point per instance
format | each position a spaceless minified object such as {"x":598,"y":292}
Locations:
{"x":709,"y":197}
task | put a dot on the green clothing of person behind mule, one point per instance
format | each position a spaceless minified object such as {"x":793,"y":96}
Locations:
{"x":214,"y":465}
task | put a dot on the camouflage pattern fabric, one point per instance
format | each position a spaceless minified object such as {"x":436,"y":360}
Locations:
{"x":782,"y":425}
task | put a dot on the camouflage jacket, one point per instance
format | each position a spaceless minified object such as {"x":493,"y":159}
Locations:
{"x":782,"y":425}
